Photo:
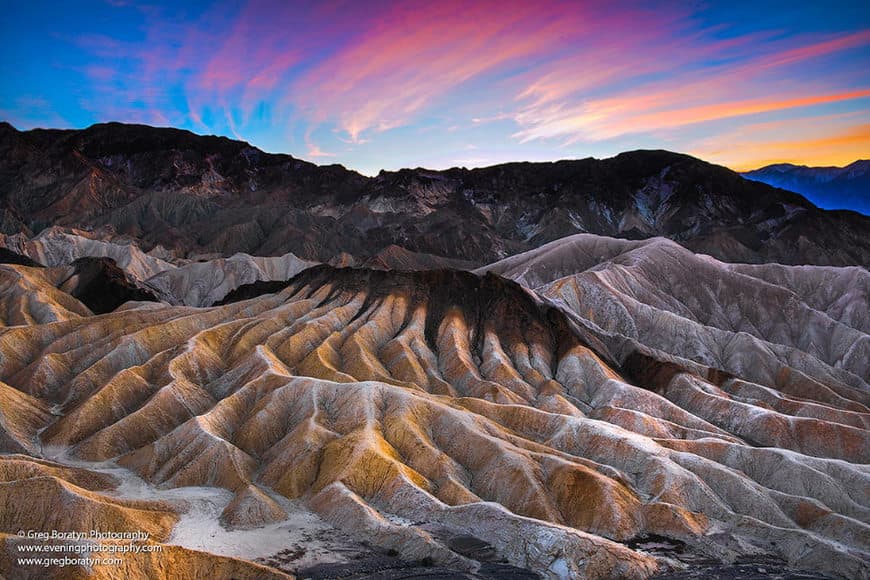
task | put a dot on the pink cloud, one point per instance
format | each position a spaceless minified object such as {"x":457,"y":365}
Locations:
{"x":750,"y":87}
{"x":562,"y":70}
{"x":813,"y":50}
{"x":419,"y":51}
{"x":256,"y":52}
{"x":252,"y":62}
{"x":598,"y":121}
{"x":100,"y":73}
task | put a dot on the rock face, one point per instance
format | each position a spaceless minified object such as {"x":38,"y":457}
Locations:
{"x":207,"y":195}
{"x":758,"y":322}
{"x":190,"y":282}
{"x":398,"y":258}
{"x":252,"y":508}
{"x":30,"y":296}
{"x":61,"y":247}
{"x":552,"y":426}
{"x":206,"y":282}
{"x":835,"y":187}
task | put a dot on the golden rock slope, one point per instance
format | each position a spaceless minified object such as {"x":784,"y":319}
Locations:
{"x":394,"y":402}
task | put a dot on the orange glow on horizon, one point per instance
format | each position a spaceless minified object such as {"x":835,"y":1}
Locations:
{"x":837,"y":150}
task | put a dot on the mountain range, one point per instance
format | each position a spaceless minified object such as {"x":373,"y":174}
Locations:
{"x":828,"y":187}
{"x":185,"y":196}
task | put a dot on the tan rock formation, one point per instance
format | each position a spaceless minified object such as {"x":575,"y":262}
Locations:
{"x":204,"y":283}
{"x":390,"y":402}
{"x":61,"y":246}
{"x":29,"y":296}
{"x":192,"y":283}
{"x":252,"y":508}
{"x":39,"y":496}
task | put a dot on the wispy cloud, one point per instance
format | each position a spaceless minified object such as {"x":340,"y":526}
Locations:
{"x":419,"y":51}
{"x":424,"y":77}
{"x":313,"y":149}
{"x":474,"y":161}
{"x":683,"y":98}
{"x":612,"y":118}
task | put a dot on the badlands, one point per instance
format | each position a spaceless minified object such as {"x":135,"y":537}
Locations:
{"x":644,"y":366}
{"x":592,"y":408}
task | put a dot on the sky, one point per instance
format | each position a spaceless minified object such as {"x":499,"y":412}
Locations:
{"x":383,"y":85}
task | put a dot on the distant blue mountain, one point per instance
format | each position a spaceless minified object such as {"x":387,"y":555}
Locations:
{"x":827,"y":187}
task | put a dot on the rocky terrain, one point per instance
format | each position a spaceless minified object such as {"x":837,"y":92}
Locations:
{"x":584,"y":409}
{"x":179,"y":195}
{"x":191,"y":282}
{"x":755,"y":322}
{"x":277,"y":369}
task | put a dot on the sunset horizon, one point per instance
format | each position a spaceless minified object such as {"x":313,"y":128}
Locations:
{"x":372,"y":173}
{"x":382,"y":85}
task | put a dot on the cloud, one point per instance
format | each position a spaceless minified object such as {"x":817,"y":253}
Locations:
{"x":612,"y":118}
{"x":554,"y":72}
{"x":313,"y":149}
{"x":474,"y":162}
{"x":696,"y":95}
{"x":492,"y":118}
{"x":416,"y":52}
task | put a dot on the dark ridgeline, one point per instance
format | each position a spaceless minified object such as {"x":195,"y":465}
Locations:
{"x":212,"y":195}
{"x":7,"y":256}
{"x":488,"y":302}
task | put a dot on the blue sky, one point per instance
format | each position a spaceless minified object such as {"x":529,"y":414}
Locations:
{"x":377,"y":85}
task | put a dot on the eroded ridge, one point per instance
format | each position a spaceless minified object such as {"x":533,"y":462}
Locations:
{"x":393,"y":402}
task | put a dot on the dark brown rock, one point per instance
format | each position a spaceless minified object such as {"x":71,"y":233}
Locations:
{"x":102,"y":286}
{"x":195,"y":194}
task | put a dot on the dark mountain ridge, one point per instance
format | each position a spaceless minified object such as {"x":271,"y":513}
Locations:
{"x":199,"y":195}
